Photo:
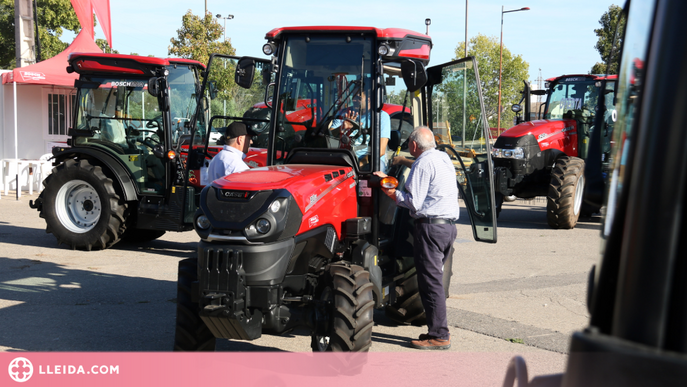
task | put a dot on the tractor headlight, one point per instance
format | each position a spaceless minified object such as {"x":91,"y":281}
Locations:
{"x":263,"y":226}
{"x":515,"y":153}
{"x":203,"y":222}
{"x":275,"y":206}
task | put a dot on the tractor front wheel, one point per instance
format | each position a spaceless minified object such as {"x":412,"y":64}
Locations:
{"x":564,"y":202}
{"x":346,"y":321}
{"x":191,"y":333}
{"x":81,"y":207}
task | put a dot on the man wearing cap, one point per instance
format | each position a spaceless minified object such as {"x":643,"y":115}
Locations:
{"x":230,"y":159}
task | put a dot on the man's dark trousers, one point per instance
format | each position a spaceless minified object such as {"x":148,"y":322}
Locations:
{"x":433,"y":245}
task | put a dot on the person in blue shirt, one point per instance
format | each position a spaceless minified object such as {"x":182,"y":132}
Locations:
{"x":230,"y":159}
{"x":350,"y":121}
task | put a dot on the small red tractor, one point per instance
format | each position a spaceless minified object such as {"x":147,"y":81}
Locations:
{"x":309,"y":240}
{"x":121,"y":176}
{"x":546,"y":157}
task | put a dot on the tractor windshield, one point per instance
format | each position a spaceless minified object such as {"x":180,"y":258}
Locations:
{"x":572,"y":97}
{"x":323,"y":96}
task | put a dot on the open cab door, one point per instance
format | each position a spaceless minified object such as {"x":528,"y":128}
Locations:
{"x":233,"y":89}
{"x":456,"y":115}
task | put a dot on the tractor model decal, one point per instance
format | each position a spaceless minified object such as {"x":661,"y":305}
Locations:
{"x":547,"y":135}
{"x":315,"y":198}
{"x":312,"y":222}
{"x":571,"y":103}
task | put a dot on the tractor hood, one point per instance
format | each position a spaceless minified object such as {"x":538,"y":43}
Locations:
{"x":310,"y":195}
{"x":549,"y":134}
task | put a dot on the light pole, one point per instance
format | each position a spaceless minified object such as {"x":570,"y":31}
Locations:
{"x":462,"y":137}
{"x":225,"y":23}
{"x":498,"y":125}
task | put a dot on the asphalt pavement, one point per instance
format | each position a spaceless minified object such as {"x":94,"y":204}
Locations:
{"x":523,"y":295}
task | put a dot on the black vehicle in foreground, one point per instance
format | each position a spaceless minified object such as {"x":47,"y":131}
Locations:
{"x":637,"y":297}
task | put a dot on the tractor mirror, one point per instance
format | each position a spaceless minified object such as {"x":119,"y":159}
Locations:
{"x":152,"y":87}
{"x":414,"y":75}
{"x":516,"y":108}
{"x":245,"y":71}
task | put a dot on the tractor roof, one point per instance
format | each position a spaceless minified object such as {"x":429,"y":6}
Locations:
{"x":595,"y":77}
{"x":408,"y":44}
{"x":122,"y":64}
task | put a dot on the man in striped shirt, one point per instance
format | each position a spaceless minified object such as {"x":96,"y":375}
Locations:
{"x":432,"y":198}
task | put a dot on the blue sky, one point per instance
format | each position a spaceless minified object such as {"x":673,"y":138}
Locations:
{"x":554,"y":36}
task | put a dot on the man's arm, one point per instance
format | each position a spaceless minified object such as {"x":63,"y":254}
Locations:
{"x":403,"y":161}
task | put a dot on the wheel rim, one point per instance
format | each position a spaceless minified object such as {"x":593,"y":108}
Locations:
{"x":579,"y":191}
{"x":78,"y":206}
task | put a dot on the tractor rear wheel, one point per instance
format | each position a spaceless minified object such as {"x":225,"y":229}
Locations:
{"x":564,"y":202}
{"x":408,"y":307}
{"x":191,"y":333}
{"x":348,"y":317}
{"x":81,"y":207}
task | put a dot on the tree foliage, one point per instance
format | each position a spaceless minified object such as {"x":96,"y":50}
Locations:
{"x":199,"y":37}
{"x":487,"y":52}
{"x":610,"y":41}
{"x":102,"y":43}
{"x":53,"y":16}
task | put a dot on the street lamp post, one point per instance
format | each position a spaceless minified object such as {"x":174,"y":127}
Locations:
{"x":219,"y":16}
{"x":498,"y":125}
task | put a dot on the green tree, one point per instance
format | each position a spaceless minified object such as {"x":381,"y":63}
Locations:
{"x":199,"y":37}
{"x":610,"y":40}
{"x":53,"y":16}
{"x":486,"y":50}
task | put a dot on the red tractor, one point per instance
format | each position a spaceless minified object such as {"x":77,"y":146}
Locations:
{"x":309,"y":240}
{"x":546,"y":157}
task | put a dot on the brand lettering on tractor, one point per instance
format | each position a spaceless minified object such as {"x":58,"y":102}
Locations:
{"x":312,"y":222}
{"x":313,"y":199}
{"x":234,"y":194}
{"x":129,"y":84}
{"x":571,"y":103}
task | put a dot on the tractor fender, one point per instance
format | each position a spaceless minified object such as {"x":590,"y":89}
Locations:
{"x":114,"y":165}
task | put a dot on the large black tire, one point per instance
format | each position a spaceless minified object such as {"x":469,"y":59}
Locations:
{"x":191,"y":333}
{"x":81,"y":207}
{"x":350,"y":314}
{"x":407,"y":309}
{"x":564,"y":202}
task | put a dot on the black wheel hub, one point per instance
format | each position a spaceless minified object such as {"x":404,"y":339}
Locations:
{"x":88,"y":205}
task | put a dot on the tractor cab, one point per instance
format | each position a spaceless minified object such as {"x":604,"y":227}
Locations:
{"x":576,"y":98}
{"x":282,"y":242}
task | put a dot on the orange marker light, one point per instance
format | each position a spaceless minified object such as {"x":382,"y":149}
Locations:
{"x":389,"y":182}
{"x":171,"y":155}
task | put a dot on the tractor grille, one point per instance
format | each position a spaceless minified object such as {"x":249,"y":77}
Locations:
{"x":234,"y":210}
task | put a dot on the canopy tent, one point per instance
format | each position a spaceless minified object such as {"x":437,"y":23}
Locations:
{"x":53,"y":71}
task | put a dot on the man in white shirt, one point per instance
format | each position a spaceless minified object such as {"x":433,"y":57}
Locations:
{"x":237,"y":139}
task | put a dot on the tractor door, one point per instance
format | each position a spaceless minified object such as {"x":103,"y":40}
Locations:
{"x":233,"y":90}
{"x":453,"y":98}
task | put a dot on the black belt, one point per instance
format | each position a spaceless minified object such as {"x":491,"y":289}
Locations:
{"x":435,"y":221}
